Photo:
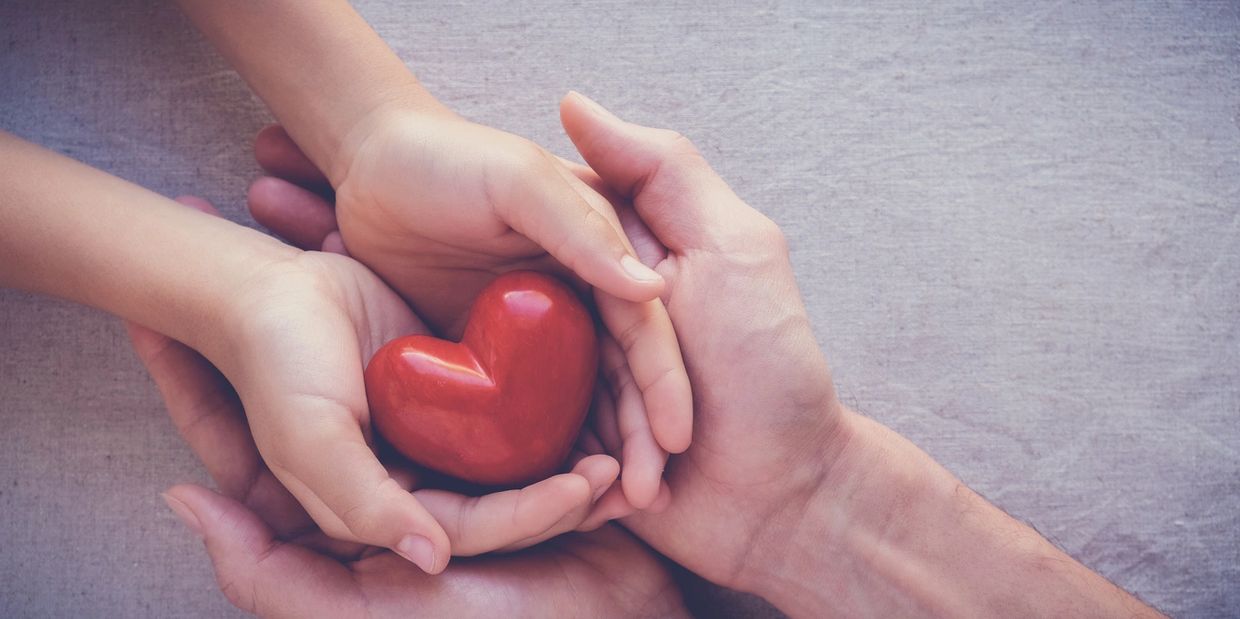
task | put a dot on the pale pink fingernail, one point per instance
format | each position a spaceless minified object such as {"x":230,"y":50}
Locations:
{"x":183,"y":513}
{"x":418,"y":550}
{"x":637,"y":270}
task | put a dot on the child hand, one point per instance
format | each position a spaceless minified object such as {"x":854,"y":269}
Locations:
{"x":303,"y":330}
{"x":438,"y":206}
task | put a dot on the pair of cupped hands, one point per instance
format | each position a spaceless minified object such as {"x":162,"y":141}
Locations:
{"x":705,"y":336}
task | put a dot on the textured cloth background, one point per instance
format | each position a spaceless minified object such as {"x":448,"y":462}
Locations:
{"x":1016,"y":226}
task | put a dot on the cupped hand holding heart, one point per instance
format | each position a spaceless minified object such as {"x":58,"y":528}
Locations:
{"x":350,"y":472}
{"x":439,"y":230}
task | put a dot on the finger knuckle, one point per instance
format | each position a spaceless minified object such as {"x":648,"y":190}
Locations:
{"x":464,"y":518}
{"x":767,"y":234}
{"x":284,"y":449}
{"x":631,"y":333}
{"x":528,"y":158}
{"x":361,"y":521}
{"x":675,"y":145}
{"x":599,"y":228}
{"x":663,"y":375}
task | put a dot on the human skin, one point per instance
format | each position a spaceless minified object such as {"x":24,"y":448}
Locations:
{"x":786,"y":493}
{"x":271,"y":559}
{"x":437,"y":206}
{"x":246,"y":302}
{"x":327,"y":74}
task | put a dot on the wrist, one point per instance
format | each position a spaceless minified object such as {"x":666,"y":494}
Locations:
{"x":375,"y":120}
{"x":319,"y":66}
{"x":852,"y":534}
{"x":201,"y":302}
{"x":892,"y":533}
{"x":806,"y":513}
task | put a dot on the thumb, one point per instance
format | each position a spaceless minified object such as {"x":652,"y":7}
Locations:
{"x":258,"y":573}
{"x":674,"y":190}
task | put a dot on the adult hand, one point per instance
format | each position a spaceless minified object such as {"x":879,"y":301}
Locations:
{"x":785,"y":493}
{"x":438,"y":206}
{"x":272,"y":560}
{"x":601,"y":574}
{"x":768,"y":419}
{"x":308,"y":416}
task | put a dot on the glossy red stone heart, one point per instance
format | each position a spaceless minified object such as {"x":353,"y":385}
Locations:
{"x":503,"y":406}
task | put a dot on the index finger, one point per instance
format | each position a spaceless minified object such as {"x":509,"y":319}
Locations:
{"x":324,"y":460}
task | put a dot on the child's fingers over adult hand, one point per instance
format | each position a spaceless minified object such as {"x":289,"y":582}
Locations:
{"x":321,"y":455}
{"x":515,"y":519}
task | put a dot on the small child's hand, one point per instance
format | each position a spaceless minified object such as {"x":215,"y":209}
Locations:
{"x":438,"y":206}
{"x":300,"y":335}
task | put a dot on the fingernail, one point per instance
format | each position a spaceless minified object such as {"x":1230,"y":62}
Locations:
{"x":184,"y":514}
{"x":594,"y":106}
{"x":418,"y":550}
{"x":637,"y":270}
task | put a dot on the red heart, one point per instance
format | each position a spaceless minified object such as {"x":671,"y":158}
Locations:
{"x":503,"y":406}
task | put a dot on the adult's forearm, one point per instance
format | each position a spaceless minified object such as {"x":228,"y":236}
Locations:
{"x":892,"y":533}
{"x":318,"y":65}
{"x":74,"y":232}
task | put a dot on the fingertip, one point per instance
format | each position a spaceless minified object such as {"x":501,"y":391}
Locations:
{"x":268,"y":139}
{"x":598,"y":254}
{"x":174,"y":499}
{"x":277,"y":153}
{"x":576,"y":487}
{"x":355,"y":498}
{"x":674,"y":436}
{"x":574,"y":102}
{"x":640,"y":485}
{"x":624,"y":278}
{"x":259,"y":196}
{"x":672,"y":418}
{"x":426,"y":545}
{"x":649,"y":284}
{"x":333,"y":243}
{"x":264,"y":192}
{"x":292,"y":212}
{"x":570,"y":104}
{"x":217,"y":519}
{"x":272,"y":148}
{"x":426,"y":528}
{"x":196,"y":498}
{"x":419,"y":550}
{"x":559,"y":505}
{"x":600,"y":472}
